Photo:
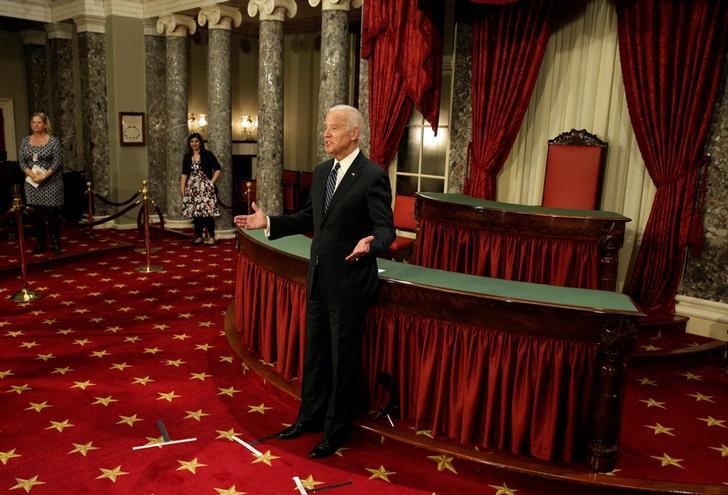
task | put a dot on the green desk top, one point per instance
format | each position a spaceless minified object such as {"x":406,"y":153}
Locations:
{"x":506,"y":289}
{"x":472,"y":202}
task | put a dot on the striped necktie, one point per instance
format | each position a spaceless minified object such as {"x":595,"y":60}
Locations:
{"x":331,"y":185}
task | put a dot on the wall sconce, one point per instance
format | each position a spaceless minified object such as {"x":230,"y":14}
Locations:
{"x":249,"y":127}
{"x":197,"y":124}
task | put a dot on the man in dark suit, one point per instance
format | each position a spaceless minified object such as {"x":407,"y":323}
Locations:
{"x":349,"y":212}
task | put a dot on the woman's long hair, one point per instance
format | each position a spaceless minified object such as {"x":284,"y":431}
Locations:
{"x":46,"y":122}
{"x":199,"y":137}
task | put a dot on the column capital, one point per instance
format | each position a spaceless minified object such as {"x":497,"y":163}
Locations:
{"x":346,"y":5}
{"x":272,"y":10}
{"x":90,"y":23}
{"x":176,"y":25}
{"x":59,"y":30}
{"x":33,"y":37}
{"x":150,"y":27}
{"x":219,"y":17}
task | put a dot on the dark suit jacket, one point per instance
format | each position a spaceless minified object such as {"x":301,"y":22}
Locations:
{"x":208,"y":163}
{"x":361,"y":206}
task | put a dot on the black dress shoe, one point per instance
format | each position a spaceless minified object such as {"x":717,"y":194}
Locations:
{"x":293,"y":431}
{"x":56,"y":248}
{"x":322,"y":449}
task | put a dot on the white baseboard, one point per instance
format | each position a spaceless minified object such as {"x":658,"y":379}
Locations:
{"x":706,"y":318}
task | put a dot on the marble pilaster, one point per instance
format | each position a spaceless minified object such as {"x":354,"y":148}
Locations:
{"x":155,"y":73}
{"x":36,"y":73}
{"x":220,"y":20}
{"x":94,"y":108}
{"x":462,"y":114}
{"x":63,"y":107}
{"x":270,"y":100}
{"x":176,"y":28}
{"x":334,"y":57}
{"x":364,"y":139}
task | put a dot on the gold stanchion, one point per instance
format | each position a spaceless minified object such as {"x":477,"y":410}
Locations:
{"x":248,"y":185}
{"x":145,"y":205}
{"x":25,"y":294}
{"x":90,"y":205}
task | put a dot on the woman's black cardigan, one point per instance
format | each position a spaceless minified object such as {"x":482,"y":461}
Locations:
{"x":208,"y":163}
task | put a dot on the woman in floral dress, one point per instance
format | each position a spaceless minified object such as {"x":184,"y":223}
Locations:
{"x":200,"y":171}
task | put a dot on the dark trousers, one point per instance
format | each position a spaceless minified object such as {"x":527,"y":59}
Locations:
{"x":329,"y":392}
{"x":201,"y":222}
{"x":50,"y":215}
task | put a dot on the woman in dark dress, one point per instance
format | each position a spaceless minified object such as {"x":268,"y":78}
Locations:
{"x":42,"y":162}
{"x":200,"y":171}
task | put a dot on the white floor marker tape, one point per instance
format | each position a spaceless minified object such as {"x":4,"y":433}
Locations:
{"x":247,"y":446}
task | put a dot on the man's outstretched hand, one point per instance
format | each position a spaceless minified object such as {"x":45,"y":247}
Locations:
{"x":361,"y":248}
{"x":257,"y":220}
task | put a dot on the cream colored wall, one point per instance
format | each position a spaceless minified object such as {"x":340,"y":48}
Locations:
{"x":13,"y":86}
{"x":244,"y":85}
{"x":197,"y":74}
{"x":125,"y":93}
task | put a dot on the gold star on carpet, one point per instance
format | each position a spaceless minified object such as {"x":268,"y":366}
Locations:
{"x":19,"y":389}
{"x":613,"y":472}
{"x":37,"y":406}
{"x":125,"y":309}
{"x":119,"y":366}
{"x":81,"y":310}
{"x":208,"y":305}
{"x":169,"y":396}
{"x":82,"y":448}
{"x":29,"y":345}
{"x":309,"y":483}
{"x":5,"y":373}
{"x":152,"y":350}
{"x":206,"y":324}
{"x":380,"y":474}
{"x":340,"y":451}
{"x":653,"y":403}
{"x":59,"y":425}
{"x":646,"y":381}
{"x":4,"y":323}
{"x":266,"y":458}
{"x":128,"y":420}
{"x":99,"y":354}
{"x":65,"y":331}
{"x":226,"y":359}
{"x":227,"y":391}
{"x":14,"y":333}
{"x":159,"y":441}
{"x":143,"y":380}
{"x":203,"y":347}
{"x":160,"y":326}
{"x":98,"y":319}
{"x":651,"y":348}
{"x":711,"y":421}
{"x":6,"y":456}
{"x":443,"y":462}
{"x":150,"y":299}
{"x":691,"y":376}
{"x":49,"y":322}
{"x":722,"y":449}
{"x":111,"y":474}
{"x":503,"y":489}
{"x":424,"y":433}
{"x":28,"y":484}
{"x":132,"y":340}
{"x":196,"y":415}
{"x":260,"y":408}
{"x":229,"y":434}
{"x":176,"y":362}
{"x":666,"y":460}
{"x":185,"y":315}
{"x":658,"y":428}
{"x":83,"y":385}
{"x":45,"y":357}
{"x":229,"y":491}
{"x":199,"y":376}
{"x":190,"y":466}
{"x":700,"y":397}
{"x":104,"y":401}
{"x":63,"y":371}
{"x":81,"y":342}
{"x":167,"y":306}
{"x":181,"y":336}
{"x":112,"y":329}
{"x":141,"y":317}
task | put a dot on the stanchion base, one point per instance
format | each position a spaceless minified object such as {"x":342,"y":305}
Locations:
{"x":25,"y":295}
{"x":149,"y":268}
{"x":151,"y":250}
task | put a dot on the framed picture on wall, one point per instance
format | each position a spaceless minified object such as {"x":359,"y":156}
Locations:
{"x":132,"y":131}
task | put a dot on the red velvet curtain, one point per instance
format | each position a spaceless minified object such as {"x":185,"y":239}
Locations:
{"x":403,"y":43}
{"x":508,"y":46}
{"x":672,"y":52}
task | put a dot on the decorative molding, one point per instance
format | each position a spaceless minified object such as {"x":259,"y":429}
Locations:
{"x":346,"y":5}
{"x":150,"y":27}
{"x":272,"y":10}
{"x":59,"y":30}
{"x":33,"y":37}
{"x":707,"y":318}
{"x":90,"y":24}
{"x":176,"y":25}
{"x":32,"y":10}
{"x":219,"y":17}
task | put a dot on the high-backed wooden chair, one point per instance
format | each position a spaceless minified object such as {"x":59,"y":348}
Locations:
{"x":291,"y":183}
{"x":574,"y":171}
{"x":404,"y":220}
{"x":306,"y":179}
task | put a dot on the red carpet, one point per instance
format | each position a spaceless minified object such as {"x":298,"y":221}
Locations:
{"x":86,"y":372}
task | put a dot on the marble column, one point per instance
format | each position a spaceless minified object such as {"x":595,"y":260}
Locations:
{"x":63,"y":107}
{"x":176,"y":28}
{"x":270,"y":100}
{"x":365,"y":138}
{"x":36,"y":73}
{"x":462,"y":110}
{"x":94,"y":109}
{"x":220,"y":20}
{"x":334,"y":57}
{"x":155,"y":73}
